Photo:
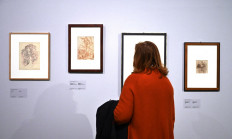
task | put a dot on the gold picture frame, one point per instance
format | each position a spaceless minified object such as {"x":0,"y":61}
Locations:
{"x":29,"y":56}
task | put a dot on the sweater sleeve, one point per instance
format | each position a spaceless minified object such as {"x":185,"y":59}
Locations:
{"x":124,"y":110}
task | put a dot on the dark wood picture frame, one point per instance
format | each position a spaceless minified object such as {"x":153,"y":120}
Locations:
{"x":141,"y":37}
{"x":15,"y":38}
{"x":200,"y":77}
{"x":95,"y":30}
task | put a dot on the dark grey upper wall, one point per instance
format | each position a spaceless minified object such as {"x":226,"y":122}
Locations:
{"x":50,"y":105}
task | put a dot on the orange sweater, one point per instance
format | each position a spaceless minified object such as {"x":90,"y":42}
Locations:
{"x":147,"y":103}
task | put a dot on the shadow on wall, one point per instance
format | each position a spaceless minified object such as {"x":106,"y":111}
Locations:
{"x":120,"y":65}
{"x":207,"y":127}
{"x":55,"y":118}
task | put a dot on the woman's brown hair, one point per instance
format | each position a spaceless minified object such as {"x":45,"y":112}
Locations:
{"x":147,"y":58}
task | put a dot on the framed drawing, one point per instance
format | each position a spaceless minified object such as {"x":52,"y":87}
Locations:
{"x":29,"y":56}
{"x":129,"y":40}
{"x":202,"y":66}
{"x":85,"y":48}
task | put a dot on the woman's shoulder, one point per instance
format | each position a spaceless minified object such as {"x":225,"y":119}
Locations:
{"x":132,"y":78}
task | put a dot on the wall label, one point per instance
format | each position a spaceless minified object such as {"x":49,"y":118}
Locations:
{"x":191,"y":103}
{"x":18,"y":92}
{"x":77,"y":85}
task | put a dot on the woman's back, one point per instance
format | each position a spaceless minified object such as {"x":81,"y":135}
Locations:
{"x":152,"y":112}
{"x":146,"y":101}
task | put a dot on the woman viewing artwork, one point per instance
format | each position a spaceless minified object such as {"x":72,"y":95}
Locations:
{"x":147,"y":97}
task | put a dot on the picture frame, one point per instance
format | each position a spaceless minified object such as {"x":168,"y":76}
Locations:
{"x":29,"y":56}
{"x":129,"y":40}
{"x":85,"y":48}
{"x":202,"y":66}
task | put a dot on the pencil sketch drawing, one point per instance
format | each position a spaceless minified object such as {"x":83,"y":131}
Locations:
{"x":29,"y":56}
{"x":201,"y":66}
{"x":85,"y":47}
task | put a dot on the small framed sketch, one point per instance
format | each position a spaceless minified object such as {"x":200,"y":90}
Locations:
{"x":129,"y":40}
{"x":85,"y":48}
{"x":202,"y":66}
{"x":29,"y":56}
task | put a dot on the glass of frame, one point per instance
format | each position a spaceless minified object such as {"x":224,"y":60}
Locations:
{"x":29,"y":56}
{"x":202,"y":66}
{"x":129,"y":40}
{"x":85,"y":43}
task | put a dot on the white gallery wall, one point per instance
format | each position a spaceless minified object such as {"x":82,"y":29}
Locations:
{"x":50,"y":110}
